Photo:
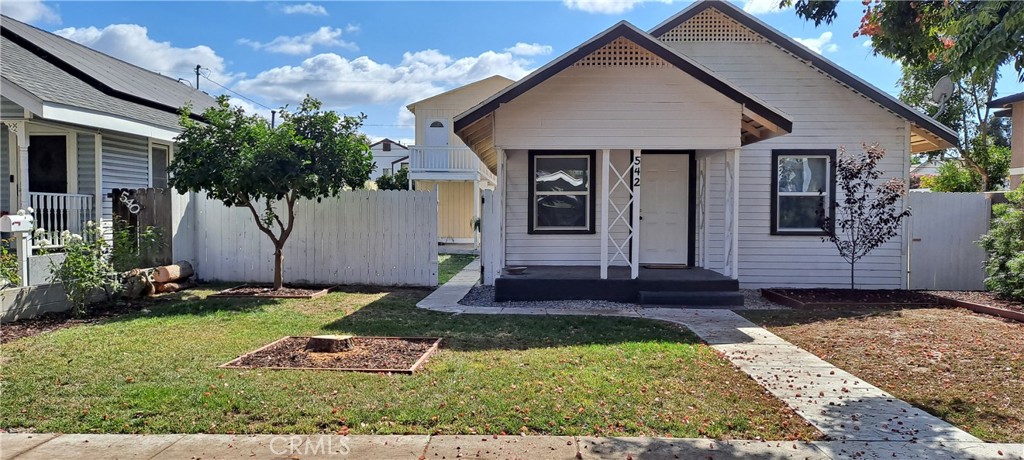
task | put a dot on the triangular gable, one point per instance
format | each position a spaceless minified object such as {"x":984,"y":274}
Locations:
{"x":716,"y":20}
{"x":496,"y":80}
{"x":622,"y":42}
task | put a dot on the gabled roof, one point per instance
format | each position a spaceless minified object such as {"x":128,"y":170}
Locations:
{"x":395,"y":143}
{"x":63,"y":59}
{"x":493,"y":80}
{"x":828,"y":67}
{"x":630,"y":32}
{"x":1005,"y":102}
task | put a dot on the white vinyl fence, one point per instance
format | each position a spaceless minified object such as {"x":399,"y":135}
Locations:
{"x":943,"y":230}
{"x":381,"y":238}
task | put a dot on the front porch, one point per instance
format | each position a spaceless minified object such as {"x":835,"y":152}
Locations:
{"x":692,"y":286}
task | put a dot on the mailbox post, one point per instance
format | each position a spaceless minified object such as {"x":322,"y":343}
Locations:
{"x":21,"y":227}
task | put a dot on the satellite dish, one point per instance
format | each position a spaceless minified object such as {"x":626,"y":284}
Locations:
{"x":941,"y":92}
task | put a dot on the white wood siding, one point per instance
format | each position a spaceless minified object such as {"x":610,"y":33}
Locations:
{"x":523,"y":248}
{"x":5,"y":170}
{"x":619,"y":107}
{"x":360,"y":237}
{"x":86,"y":163}
{"x":825,"y":115}
{"x":125,"y":165}
{"x":10,"y":109}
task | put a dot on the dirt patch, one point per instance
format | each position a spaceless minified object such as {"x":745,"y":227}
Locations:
{"x":286,"y":292}
{"x":844,"y":298}
{"x":368,"y":354}
{"x":982,"y":298}
{"x":961,"y":366}
{"x":56,"y":321}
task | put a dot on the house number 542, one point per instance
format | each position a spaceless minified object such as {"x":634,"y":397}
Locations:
{"x":636,"y":172}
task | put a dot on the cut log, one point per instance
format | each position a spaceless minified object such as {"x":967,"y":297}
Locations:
{"x":137,"y":282}
{"x":329,"y":343}
{"x":174,"y":272}
{"x":175,"y":286}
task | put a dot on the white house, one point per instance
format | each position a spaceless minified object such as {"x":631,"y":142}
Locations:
{"x":680,"y":162}
{"x":388,"y":156}
{"x":1012,"y":107}
{"x":440,"y":159}
{"x":76,"y":124}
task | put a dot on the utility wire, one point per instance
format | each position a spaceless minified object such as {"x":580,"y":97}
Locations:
{"x":236,"y":93}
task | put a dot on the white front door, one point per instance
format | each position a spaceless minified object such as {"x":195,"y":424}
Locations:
{"x":437,"y":134}
{"x":664,"y":209}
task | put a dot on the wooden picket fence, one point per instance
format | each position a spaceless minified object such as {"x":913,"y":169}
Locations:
{"x":382,"y":238}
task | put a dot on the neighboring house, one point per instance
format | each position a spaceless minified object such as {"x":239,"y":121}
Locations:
{"x":928,"y":167}
{"x":77,"y":123}
{"x":730,"y":129}
{"x":386,"y":153}
{"x":1013,"y":106}
{"x":440,"y":159}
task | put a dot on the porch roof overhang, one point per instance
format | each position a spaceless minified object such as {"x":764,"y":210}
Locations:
{"x":926,"y":133}
{"x":759,"y":120}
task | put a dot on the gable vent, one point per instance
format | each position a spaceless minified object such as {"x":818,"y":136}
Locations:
{"x":711,"y":25}
{"x":621,"y":53}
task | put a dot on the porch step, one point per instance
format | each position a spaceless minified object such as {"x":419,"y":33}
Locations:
{"x":692,"y":298}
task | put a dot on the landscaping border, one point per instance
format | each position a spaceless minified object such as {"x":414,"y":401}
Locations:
{"x":979,"y":308}
{"x":780,"y":298}
{"x":415,"y":366}
{"x":227,"y":294}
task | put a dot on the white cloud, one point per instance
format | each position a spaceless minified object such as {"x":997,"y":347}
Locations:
{"x":249,"y":107}
{"x":302,"y":44}
{"x":867,"y":44}
{"x":305,"y":8}
{"x":820,"y":45}
{"x":353,"y":28}
{"x":341,"y":82}
{"x":761,"y":6}
{"x":30,"y":11}
{"x":529,"y":49}
{"x":131,"y":43}
{"x":606,"y":6}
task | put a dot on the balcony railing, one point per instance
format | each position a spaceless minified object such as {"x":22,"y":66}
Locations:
{"x":447,"y":160}
{"x":56,"y":212}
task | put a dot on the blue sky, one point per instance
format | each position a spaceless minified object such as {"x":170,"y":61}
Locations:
{"x":376,"y":57}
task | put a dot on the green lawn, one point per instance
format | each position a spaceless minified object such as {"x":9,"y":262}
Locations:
{"x":156,"y":372}
{"x":448,"y":265}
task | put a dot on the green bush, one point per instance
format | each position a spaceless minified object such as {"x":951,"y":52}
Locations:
{"x":396,"y":181}
{"x":9,"y":275}
{"x":955,"y":178}
{"x":134,"y":247}
{"x":85,"y":270}
{"x":1004,"y":244}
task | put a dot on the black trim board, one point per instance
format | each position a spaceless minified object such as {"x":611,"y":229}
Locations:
{"x":87,"y":78}
{"x":815,"y":59}
{"x":774,"y":192}
{"x":531,"y":194}
{"x":625,"y":30}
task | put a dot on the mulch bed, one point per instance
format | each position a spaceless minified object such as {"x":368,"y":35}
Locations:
{"x":50,"y":322}
{"x":369,"y":354}
{"x":847,"y":298}
{"x":286,"y":292}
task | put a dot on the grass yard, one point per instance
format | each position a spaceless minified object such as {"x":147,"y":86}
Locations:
{"x":448,"y":265}
{"x":156,"y":371}
{"x":965,"y":367}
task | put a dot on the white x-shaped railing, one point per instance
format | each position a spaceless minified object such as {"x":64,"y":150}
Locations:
{"x":626,"y":212}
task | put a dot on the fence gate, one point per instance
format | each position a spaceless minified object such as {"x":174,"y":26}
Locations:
{"x":146,"y":207}
{"x":943,"y":230}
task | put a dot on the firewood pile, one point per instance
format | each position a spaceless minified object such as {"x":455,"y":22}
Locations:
{"x":141,"y":282}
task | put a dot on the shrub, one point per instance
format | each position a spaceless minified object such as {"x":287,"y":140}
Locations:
{"x":134,"y":247}
{"x":955,"y":178}
{"x":9,"y":275}
{"x":85,"y":270}
{"x":1004,"y":244}
{"x":396,"y":181}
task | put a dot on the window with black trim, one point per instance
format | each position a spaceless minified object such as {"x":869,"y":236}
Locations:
{"x":803,"y":191}
{"x":561,"y":192}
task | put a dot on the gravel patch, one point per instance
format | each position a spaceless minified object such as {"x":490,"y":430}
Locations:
{"x":483,"y":296}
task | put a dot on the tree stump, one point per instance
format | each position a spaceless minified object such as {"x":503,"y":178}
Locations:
{"x":329,"y":343}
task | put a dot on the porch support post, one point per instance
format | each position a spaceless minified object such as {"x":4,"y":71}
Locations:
{"x":476,"y":212}
{"x":732,"y":207}
{"x":605,"y":196}
{"x":18,"y":129}
{"x":98,"y":197}
{"x":634,"y":264}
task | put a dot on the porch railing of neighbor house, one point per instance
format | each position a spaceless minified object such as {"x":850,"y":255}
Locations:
{"x":447,"y":159}
{"x":56,"y":212}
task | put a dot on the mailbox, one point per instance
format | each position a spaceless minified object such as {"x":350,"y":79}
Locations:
{"x":16,"y":224}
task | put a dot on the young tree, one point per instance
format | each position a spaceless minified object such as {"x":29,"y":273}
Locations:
{"x":240,"y":160}
{"x":869,"y":213}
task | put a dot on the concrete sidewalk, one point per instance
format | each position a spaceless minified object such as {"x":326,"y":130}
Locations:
{"x":256,"y":447}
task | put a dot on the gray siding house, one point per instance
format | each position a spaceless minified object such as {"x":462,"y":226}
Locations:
{"x":76,"y":123}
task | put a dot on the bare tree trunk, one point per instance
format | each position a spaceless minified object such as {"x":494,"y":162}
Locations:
{"x":852,"y":272}
{"x":279,"y":266}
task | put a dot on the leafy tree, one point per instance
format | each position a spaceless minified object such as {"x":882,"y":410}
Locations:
{"x":869,"y":213}
{"x":241,"y":160}
{"x":1004,"y":244}
{"x":954,"y":178}
{"x":396,"y":181}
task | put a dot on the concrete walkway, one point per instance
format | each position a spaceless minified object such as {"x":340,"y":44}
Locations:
{"x":837,"y":403}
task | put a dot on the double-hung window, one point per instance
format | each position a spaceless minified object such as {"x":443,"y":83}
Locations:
{"x":561,"y":192}
{"x":803,"y":191}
